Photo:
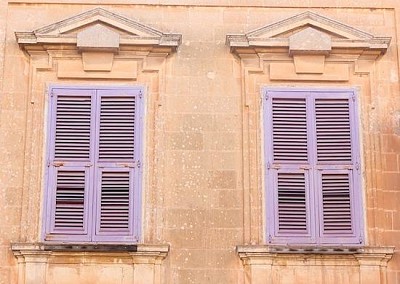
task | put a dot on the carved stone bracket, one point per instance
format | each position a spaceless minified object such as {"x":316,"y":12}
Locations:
{"x":98,"y":44}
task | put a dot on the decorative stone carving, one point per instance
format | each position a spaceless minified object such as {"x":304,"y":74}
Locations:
{"x":98,"y":44}
{"x":314,"y":46}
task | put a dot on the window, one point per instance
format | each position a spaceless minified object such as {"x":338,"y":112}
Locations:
{"x":312,"y":167}
{"x":93,"y":177}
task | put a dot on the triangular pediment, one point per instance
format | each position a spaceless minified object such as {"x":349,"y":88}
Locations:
{"x":277,"y":35}
{"x":129,"y":31}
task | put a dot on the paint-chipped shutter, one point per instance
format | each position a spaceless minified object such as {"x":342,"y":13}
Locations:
{"x":69,"y":169}
{"x":337,"y":168}
{"x":117,"y":164}
{"x":288,"y":168}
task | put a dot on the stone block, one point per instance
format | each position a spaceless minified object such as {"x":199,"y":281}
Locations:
{"x":223,"y":179}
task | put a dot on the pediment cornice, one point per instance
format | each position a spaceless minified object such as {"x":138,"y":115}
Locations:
{"x":278,"y":35}
{"x":65,"y":32}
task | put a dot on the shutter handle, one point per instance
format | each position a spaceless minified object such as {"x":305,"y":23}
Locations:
{"x":58,"y":164}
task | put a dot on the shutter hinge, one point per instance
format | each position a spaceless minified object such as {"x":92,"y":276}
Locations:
{"x":266,"y":96}
{"x":138,"y":164}
{"x":268,"y":165}
{"x":358,"y":167}
{"x":51,"y":94}
{"x":140,"y":94}
{"x":353,"y":97}
{"x":269,"y":238}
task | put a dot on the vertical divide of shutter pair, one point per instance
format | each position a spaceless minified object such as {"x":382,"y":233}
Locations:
{"x":92,"y":164}
{"x":311,"y":153}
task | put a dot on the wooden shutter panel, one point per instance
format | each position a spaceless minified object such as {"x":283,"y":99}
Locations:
{"x":117,"y":128}
{"x":288,"y":164}
{"x":292,"y":203}
{"x":73,"y":127}
{"x":115,"y":201}
{"x":333,"y":132}
{"x":289,"y":130}
{"x":117,"y":168}
{"x":336,"y":202}
{"x":337,"y":163}
{"x":71,"y":195}
{"x":70,"y":147}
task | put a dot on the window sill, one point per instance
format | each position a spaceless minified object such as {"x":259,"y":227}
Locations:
{"x":41,"y":263}
{"x":362,"y":264}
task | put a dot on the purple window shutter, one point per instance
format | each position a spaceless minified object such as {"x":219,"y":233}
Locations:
{"x":117,"y":165}
{"x":313,"y":190}
{"x":337,"y":160}
{"x":68,"y":175}
{"x":287,"y":173}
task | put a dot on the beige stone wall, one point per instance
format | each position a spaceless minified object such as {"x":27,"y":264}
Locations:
{"x":203,"y":182}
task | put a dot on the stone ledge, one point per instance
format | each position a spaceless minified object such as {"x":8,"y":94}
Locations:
{"x":379,"y":256}
{"x":137,"y":253}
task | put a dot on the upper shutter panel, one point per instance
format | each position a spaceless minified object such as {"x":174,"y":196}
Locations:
{"x":289,"y":127}
{"x":333,"y":132}
{"x":337,"y":205}
{"x":72,"y":127}
{"x":117,"y":128}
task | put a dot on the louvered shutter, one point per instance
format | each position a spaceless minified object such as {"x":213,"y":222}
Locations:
{"x":93,"y":180}
{"x":288,"y":164}
{"x":71,"y":129}
{"x":313,"y":192}
{"x":337,"y":164}
{"x":117,"y":166}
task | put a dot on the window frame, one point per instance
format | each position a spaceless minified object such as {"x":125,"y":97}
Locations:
{"x":135,"y":219}
{"x":314,"y":238}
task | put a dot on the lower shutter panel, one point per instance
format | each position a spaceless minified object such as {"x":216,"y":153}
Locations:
{"x":115,"y":208}
{"x":292,"y":203}
{"x":336,"y":187}
{"x":70,"y":205}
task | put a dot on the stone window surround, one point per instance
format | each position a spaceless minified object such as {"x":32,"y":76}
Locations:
{"x":69,"y":52}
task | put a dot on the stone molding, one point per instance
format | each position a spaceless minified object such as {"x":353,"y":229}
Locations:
{"x":308,"y":47}
{"x":273,"y":36}
{"x":34,"y":259}
{"x":64,"y":32}
{"x":98,"y":44}
{"x":261,"y":263}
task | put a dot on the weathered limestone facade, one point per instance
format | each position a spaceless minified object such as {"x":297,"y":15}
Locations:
{"x":203,"y":65}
